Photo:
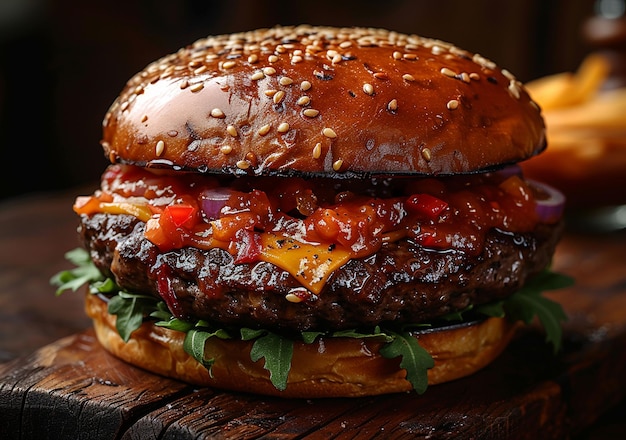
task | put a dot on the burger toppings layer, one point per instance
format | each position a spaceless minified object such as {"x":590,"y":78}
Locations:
{"x":290,"y":253}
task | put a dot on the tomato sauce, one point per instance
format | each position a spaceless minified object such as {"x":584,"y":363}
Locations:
{"x":355,"y":215}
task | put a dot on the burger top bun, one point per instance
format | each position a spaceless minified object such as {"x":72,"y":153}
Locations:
{"x":323,"y":100}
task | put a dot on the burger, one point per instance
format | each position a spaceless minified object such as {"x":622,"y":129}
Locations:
{"x":318,"y":212}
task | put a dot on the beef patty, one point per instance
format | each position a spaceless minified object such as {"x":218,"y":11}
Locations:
{"x":402,"y":282}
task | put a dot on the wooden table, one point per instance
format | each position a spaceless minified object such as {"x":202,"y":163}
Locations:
{"x":56,"y":381}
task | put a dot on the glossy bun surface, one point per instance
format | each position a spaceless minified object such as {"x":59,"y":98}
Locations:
{"x":322,"y":100}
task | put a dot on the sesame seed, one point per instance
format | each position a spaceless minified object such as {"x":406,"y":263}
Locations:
{"x":426,"y":154}
{"x":514,"y":89}
{"x":226,"y":149}
{"x":436,"y":50}
{"x":196,"y":87}
{"x":200,"y":70}
{"x":303,"y":100}
{"x":409,"y":56}
{"x":160,"y":148}
{"x":257,"y":76}
{"x":296,"y":59}
{"x":448,"y":72}
{"x":283,"y":127}
{"x":508,"y":75}
{"x":311,"y":113}
{"x":243,"y":164}
{"x":281,"y":48}
{"x":381,"y":75}
{"x":328,"y":132}
{"x":293,"y":298}
{"x":265,"y":129}
{"x":337,"y":164}
{"x":278,"y":97}
{"x":474,"y":76}
{"x":305,"y":85}
{"x":253,"y":58}
{"x":270,"y":92}
{"x":336,"y":59}
{"x":482,"y":61}
{"x":217,"y":113}
{"x":144,"y":118}
{"x":228,"y":64}
{"x":285,"y":81}
{"x":465,"y":77}
{"x":330,"y":54}
{"x":453,"y":104}
{"x":408,"y":77}
{"x":272,"y":58}
{"x":393,"y":105}
{"x":368,"y":89}
{"x":231,"y":130}
{"x":269,"y":71}
{"x":317,"y":151}
{"x":184,"y":84}
{"x":397,"y":55}
{"x":313,"y":48}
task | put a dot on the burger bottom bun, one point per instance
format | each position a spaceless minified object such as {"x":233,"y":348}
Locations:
{"x":329,"y":367}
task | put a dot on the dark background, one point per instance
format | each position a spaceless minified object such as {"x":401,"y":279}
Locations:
{"x":63,"y":62}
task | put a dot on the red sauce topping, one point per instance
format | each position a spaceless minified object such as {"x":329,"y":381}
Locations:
{"x":248,"y":216}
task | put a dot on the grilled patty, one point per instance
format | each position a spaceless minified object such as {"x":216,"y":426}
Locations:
{"x":402,"y":282}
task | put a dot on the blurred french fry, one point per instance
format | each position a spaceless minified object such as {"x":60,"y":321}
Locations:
{"x":551,"y":91}
{"x":586,"y":133}
{"x":570,"y":89}
{"x":605,"y":112}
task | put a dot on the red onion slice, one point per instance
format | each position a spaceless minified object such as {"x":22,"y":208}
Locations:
{"x":550,"y":202}
{"x":213,"y":200}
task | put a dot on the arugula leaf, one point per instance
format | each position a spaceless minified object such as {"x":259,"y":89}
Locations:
{"x":106,"y":286}
{"x":277,"y":352}
{"x":250,"y":333}
{"x":494,"y":309}
{"x":310,"y":337}
{"x":161,"y":313}
{"x":194,"y":344}
{"x":130,"y":310}
{"x":415,"y":360}
{"x":179,"y":325}
{"x":85,"y":272}
{"x":528,"y":302}
{"x":375,"y":333}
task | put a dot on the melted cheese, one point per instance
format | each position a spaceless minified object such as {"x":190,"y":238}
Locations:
{"x":310,"y":263}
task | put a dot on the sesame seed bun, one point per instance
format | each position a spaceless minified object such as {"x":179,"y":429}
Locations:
{"x":336,"y":367}
{"x":325,"y":101}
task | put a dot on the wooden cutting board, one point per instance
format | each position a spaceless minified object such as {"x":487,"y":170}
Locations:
{"x":74,"y":389}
